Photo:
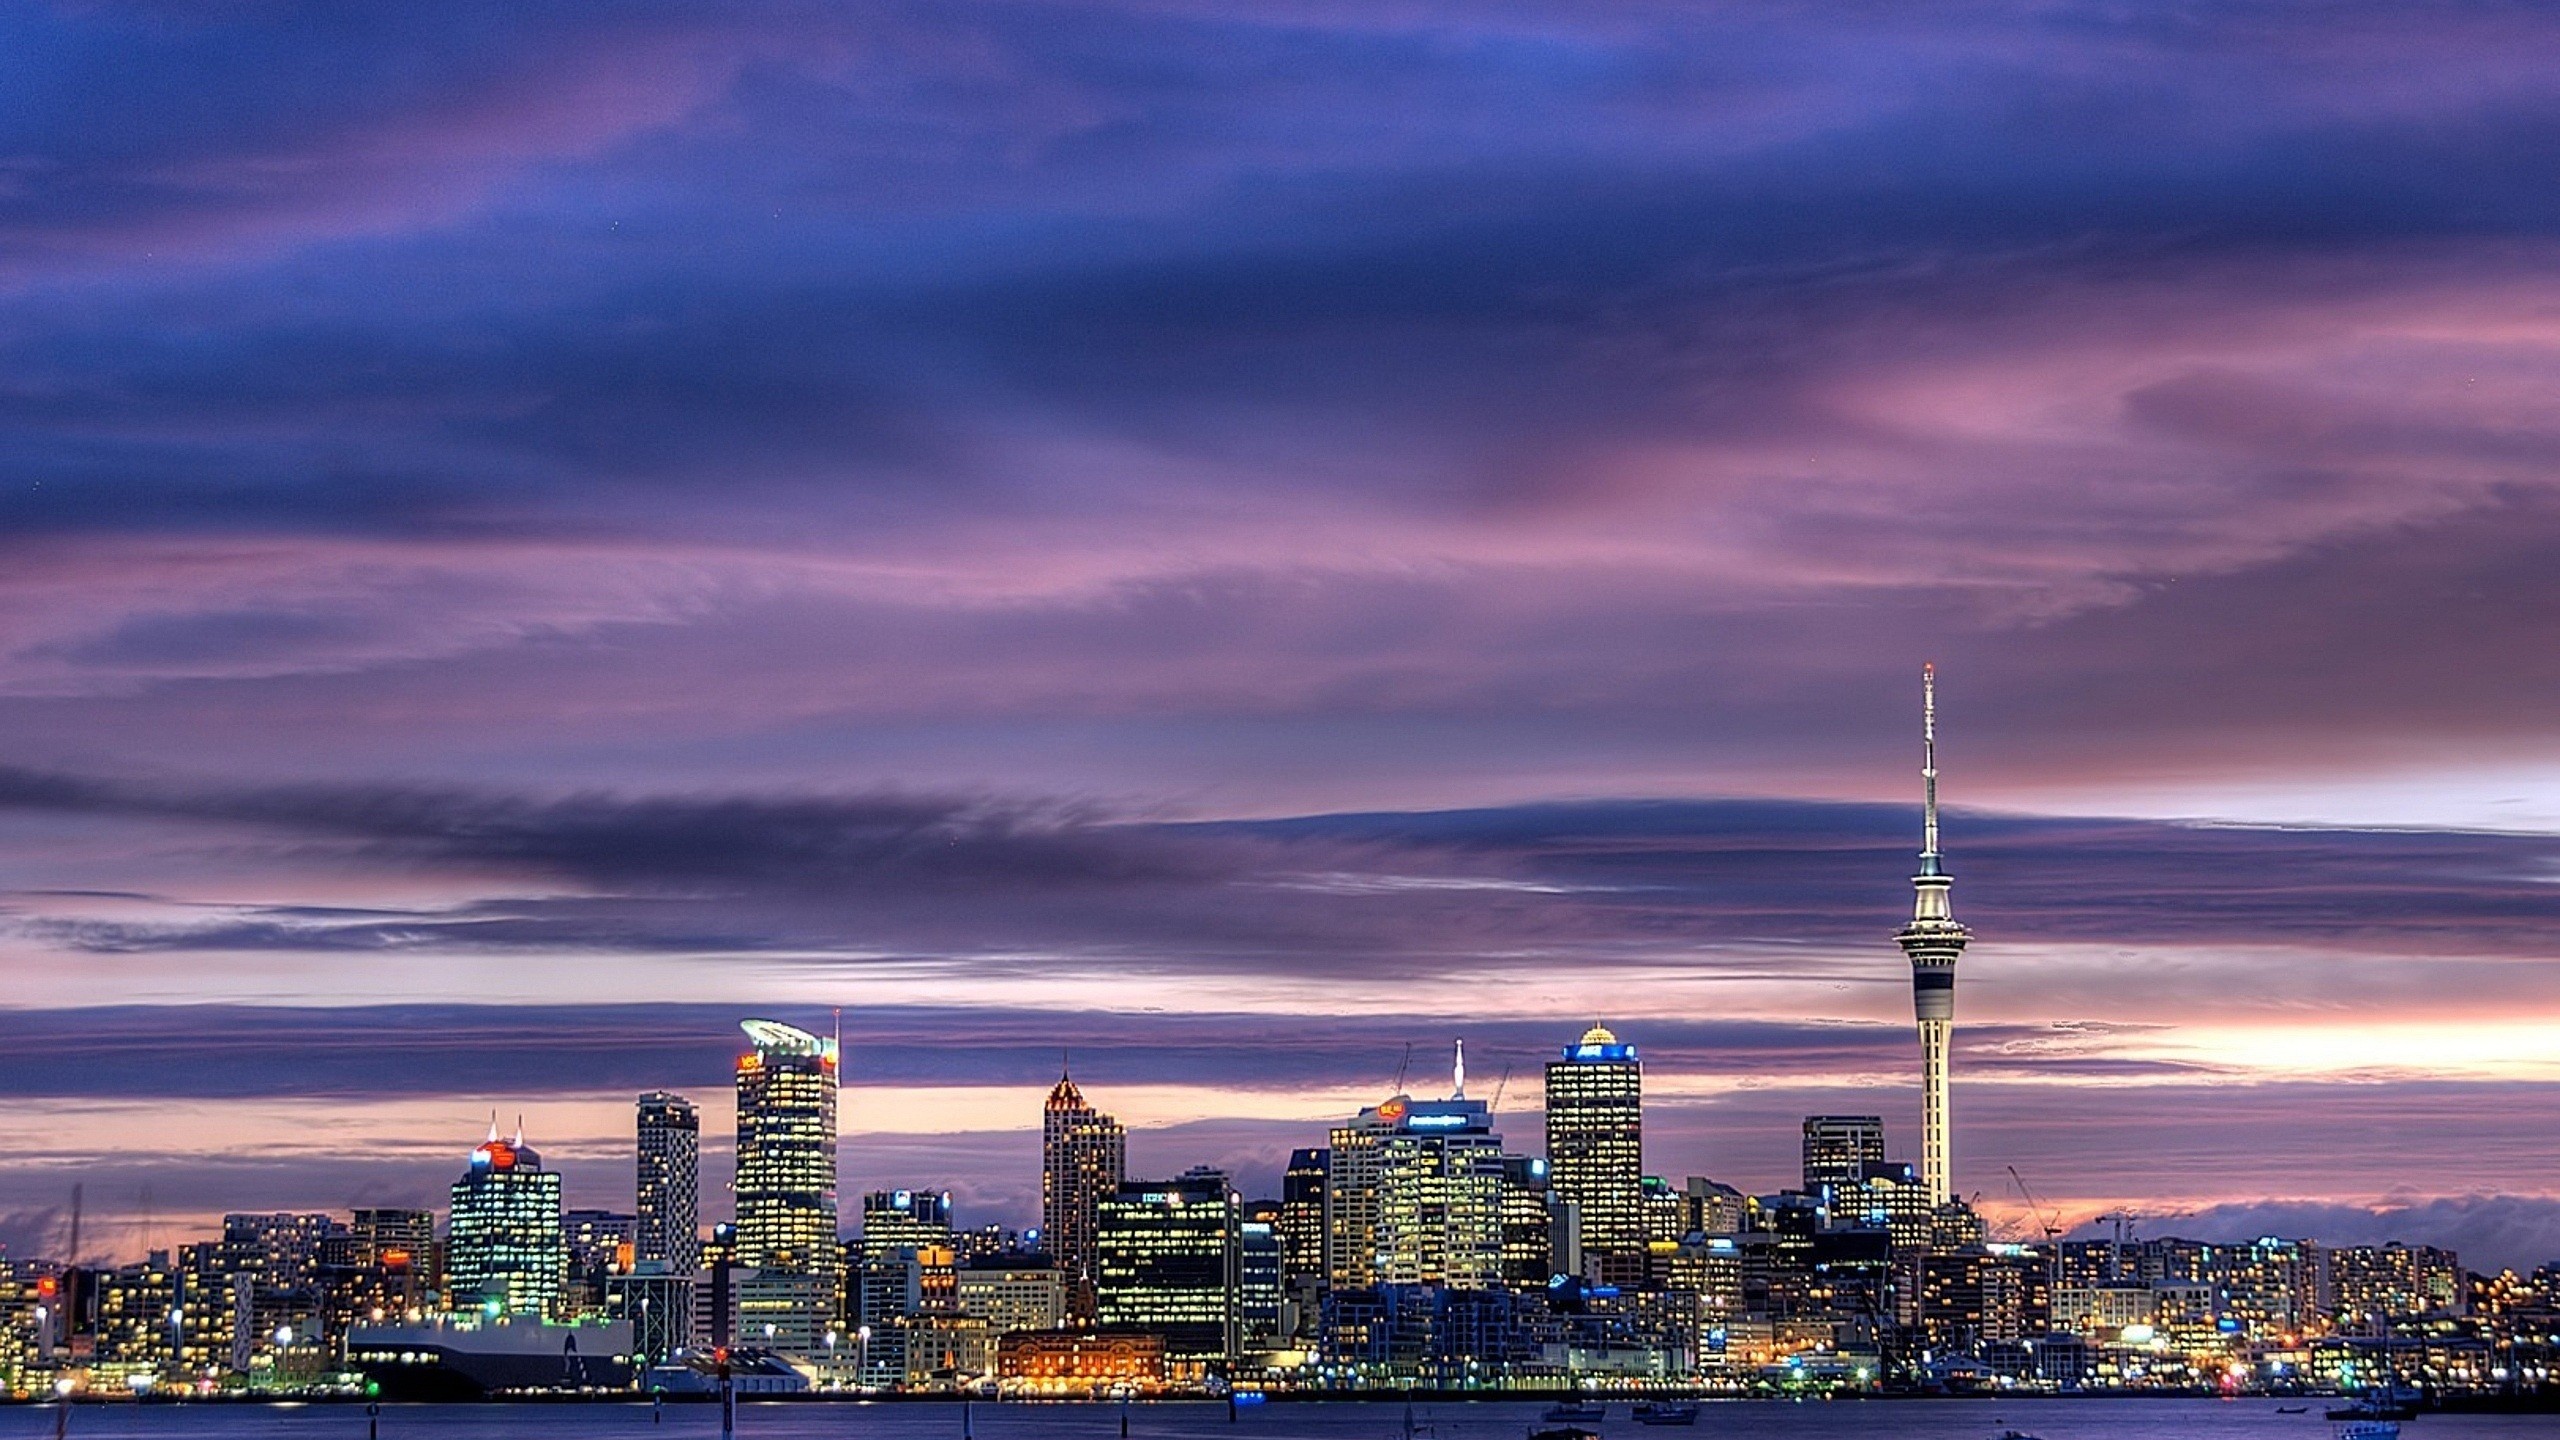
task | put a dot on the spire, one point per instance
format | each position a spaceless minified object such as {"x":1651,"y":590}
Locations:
{"x":493,"y":1128}
{"x":1458,"y":1074}
{"x":1929,"y":769}
{"x":519,"y":1142}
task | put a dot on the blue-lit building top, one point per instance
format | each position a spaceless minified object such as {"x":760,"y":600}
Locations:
{"x":1599,"y":1046}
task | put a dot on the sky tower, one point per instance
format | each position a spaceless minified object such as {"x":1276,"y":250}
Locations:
{"x":1934,"y":941}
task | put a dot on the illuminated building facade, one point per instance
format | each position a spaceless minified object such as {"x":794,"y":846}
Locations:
{"x":1302,"y":1188}
{"x":1837,"y":1148}
{"x":2373,"y":1286}
{"x":1011,"y":1297}
{"x":1167,"y":1260}
{"x":1075,"y":1362}
{"x":1933,"y":942}
{"x":786,"y":1189}
{"x":910,"y":1218}
{"x":1416,"y":1197}
{"x":506,"y":1254}
{"x":1595,"y":1151}
{"x":1083,"y":1154}
{"x":669,"y":1203}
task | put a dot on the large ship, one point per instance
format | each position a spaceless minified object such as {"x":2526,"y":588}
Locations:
{"x":472,"y":1359}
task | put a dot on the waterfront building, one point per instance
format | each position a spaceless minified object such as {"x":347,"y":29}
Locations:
{"x":1083,"y":1154}
{"x":1984,"y":1294}
{"x":1167,"y":1260}
{"x":661,"y":1305}
{"x":786,"y":1188}
{"x":669,"y":1191}
{"x":2269,"y":1288}
{"x":136,"y":1324}
{"x":785,"y":1312}
{"x":1595,"y":1151}
{"x":1009,"y":1294}
{"x":1060,"y":1363}
{"x":506,"y":1254}
{"x":1837,"y":1148}
{"x":1933,"y":942}
{"x":2373,"y":1287}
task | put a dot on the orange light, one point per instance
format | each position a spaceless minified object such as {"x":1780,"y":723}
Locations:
{"x":395,"y":1259}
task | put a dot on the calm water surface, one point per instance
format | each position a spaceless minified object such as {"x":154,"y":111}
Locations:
{"x":1918,"y":1420}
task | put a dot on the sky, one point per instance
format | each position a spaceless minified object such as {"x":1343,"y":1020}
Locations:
{"x":1236,"y":544}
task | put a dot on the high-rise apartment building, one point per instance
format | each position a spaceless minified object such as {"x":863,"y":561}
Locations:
{"x":1168,"y":1259}
{"x":1837,"y":1148}
{"x":1083,"y":1154}
{"x":786,"y":1189}
{"x":669,"y":1207}
{"x":1595,"y":1150}
{"x":506,"y":1253}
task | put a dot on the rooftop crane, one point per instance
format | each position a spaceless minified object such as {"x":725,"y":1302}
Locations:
{"x":2037,"y":1210}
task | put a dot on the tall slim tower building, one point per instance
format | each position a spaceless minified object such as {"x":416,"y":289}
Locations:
{"x":1083,"y":1155}
{"x":1934,"y":942}
{"x":670,"y":1191}
{"x":1595,"y":1149}
{"x":787,"y":1150}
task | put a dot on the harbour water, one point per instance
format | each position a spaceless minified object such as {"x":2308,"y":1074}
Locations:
{"x":2255,"y":1419}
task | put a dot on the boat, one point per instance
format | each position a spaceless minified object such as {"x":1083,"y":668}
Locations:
{"x":2292,"y":1409}
{"x":1575,"y":1412}
{"x":2376,"y":1406}
{"x":2369,"y":1430}
{"x":1564,"y":1432}
{"x":2018,"y":1435}
{"x":1667,"y":1412}
{"x":459,"y":1358}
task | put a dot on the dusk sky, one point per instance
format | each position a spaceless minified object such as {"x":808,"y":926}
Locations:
{"x":1235,"y":537}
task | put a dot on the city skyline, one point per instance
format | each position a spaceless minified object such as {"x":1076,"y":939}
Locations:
{"x":1238,"y":540}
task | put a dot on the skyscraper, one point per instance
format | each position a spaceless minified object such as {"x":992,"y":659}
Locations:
{"x":1415,"y":1196}
{"x":505,"y":1252}
{"x":1167,"y":1259}
{"x":1836,"y":1147}
{"x":787,"y":1150}
{"x":1934,"y":942}
{"x":1083,"y":1154}
{"x":670,"y":1191}
{"x":1302,"y":1188}
{"x":1595,"y":1150}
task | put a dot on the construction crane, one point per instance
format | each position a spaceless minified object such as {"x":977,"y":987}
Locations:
{"x":1402,"y":1068}
{"x":1499,"y":1086}
{"x":2036,"y":1210}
